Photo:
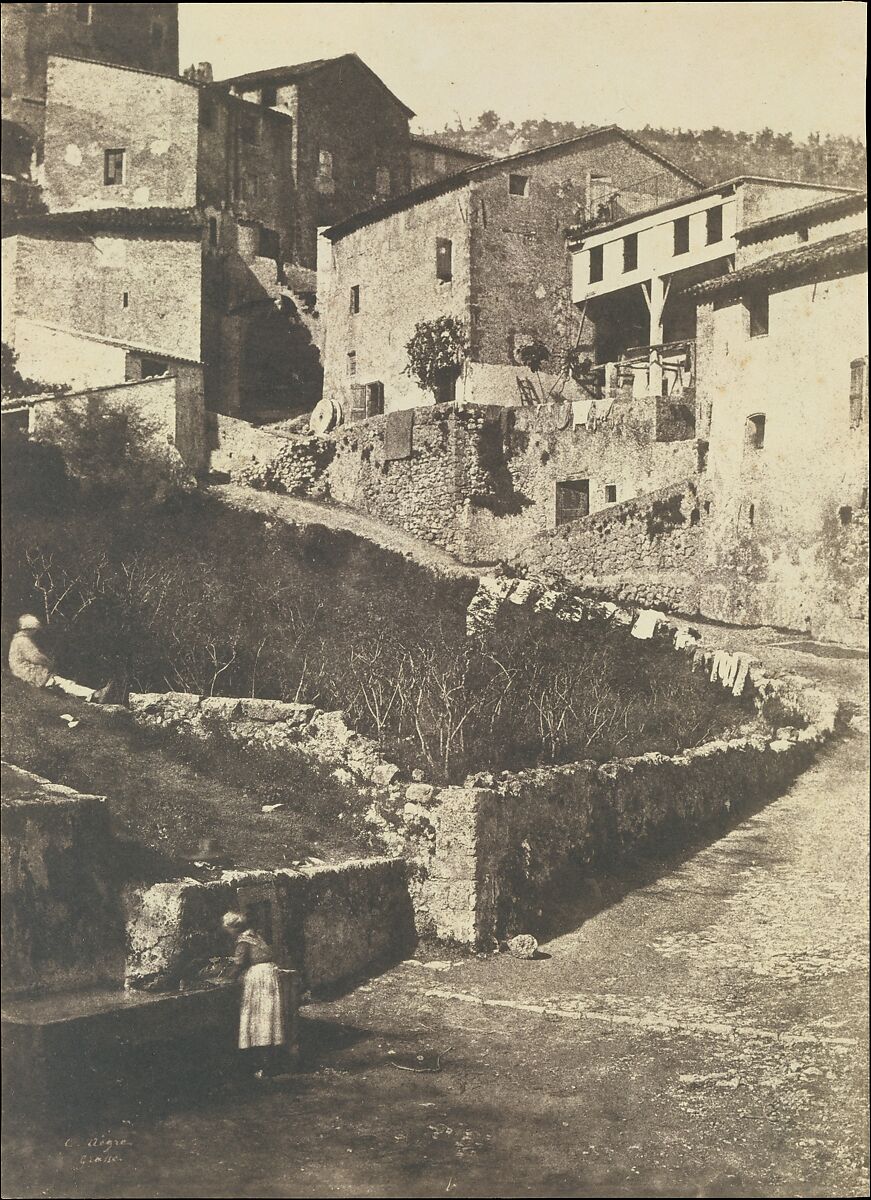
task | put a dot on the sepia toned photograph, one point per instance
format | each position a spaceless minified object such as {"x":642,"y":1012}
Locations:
{"x":435,"y":716}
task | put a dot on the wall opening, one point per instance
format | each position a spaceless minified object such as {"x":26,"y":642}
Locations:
{"x":757,"y":312}
{"x":610,"y":493}
{"x":444,"y":259}
{"x":754,"y":432}
{"x":355,"y":298}
{"x":572,"y":500}
{"x":681,"y":235}
{"x":114,"y":162}
{"x":630,"y":252}
{"x":518,"y":185}
{"x":597,"y":263}
{"x":714,"y":225}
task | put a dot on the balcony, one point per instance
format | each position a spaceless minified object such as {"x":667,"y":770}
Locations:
{"x":667,"y":370}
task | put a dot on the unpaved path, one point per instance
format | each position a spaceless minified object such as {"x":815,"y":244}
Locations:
{"x":312,"y":512}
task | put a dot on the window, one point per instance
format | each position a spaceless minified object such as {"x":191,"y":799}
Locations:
{"x":858,"y":391}
{"x":630,"y":252}
{"x":751,"y":515}
{"x":802,"y":234}
{"x":355,"y":298}
{"x":269,"y":95}
{"x":757,"y":309}
{"x":114,"y":162}
{"x":597,"y":263}
{"x":446,"y":391}
{"x":755,"y":432}
{"x":150,"y":367}
{"x":518,"y":185}
{"x":125,"y":299}
{"x":681,"y":235}
{"x":352,"y":362}
{"x":374,"y":399}
{"x":213,"y":231}
{"x":610,"y":493}
{"x":714,"y":225}
{"x":325,"y":164}
{"x":84,"y":13}
{"x":572,"y":500}
{"x":444,"y":257}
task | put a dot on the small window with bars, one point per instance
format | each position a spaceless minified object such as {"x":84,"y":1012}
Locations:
{"x":355,"y":298}
{"x":352,"y":363}
{"x":114,"y":167}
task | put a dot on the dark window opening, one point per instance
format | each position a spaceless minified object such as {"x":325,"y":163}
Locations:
{"x":269,"y":95}
{"x":352,"y":362}
{"x":518,"y":185}
{"x":757,"y":309}
{"x":682,"y":235}
{"x":444,"y":258}
{"x":572,"y":500}
{"x":695,"y":516}
{"x":374,"y":399}
{"x":751,"y":514}
{"x":755,"y":431}
{"x":355,"y":298}
{"x":213,"y":231}
{"x":149,"y":367}
{"x":597,"y":263}
{"x":610,"y":493}
{"x":714,"y":225}
{"x":707,"y":508}
{"x":268,"y":243}
{"x":845,"y":514}
{"x":802,"y":234}
{"x":113,"y":167}
{"x":125,"y":299}
{"x":446,"y":391}
{"x":630,"y":252}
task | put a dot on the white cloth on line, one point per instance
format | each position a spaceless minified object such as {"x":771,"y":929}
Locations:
{"x":580,"y":412}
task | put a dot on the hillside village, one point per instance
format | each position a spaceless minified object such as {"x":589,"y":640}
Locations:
{"x":511,"y":472}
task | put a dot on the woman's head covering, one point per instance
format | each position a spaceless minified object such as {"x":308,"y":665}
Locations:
{"x":233,"y":920}
{"x":29,"y":621}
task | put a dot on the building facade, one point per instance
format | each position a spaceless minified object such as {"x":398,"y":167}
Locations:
{"x":431,"y":160}
{"x":133,"y":35}
{"x":485,"y":246}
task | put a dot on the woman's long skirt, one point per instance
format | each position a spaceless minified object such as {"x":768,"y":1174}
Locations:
{"x":261,"y":1022}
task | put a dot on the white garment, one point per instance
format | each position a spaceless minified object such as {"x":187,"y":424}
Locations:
{"x":580,"y":412}
{"x":70,"y":688}
{"x":646,"y":623}
{"x":261,"y":1021}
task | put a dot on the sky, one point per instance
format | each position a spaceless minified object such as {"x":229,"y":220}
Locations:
{"x":795,"y":67}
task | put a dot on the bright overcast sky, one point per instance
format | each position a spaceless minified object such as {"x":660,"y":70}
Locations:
{"x":795,"y":67}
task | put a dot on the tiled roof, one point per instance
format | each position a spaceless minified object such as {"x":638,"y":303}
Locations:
{"x":163,"y":220}
{"x":813,"y":214}
{"x":449,"y":182}
{"x":840,"y":255}
{"x":420,"y":139}
{"x":297,"y":71}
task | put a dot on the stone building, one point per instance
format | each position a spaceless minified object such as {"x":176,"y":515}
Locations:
{"x":783,"y":381}
{"x":486,"y":246}
{"x":125,"y":141}
{"x":431,"y":160}
{"x":350,"y":144}
{"x":630,"y":277}
{"x":133,"y":35}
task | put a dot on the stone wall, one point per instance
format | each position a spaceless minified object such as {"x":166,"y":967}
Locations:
{"x":92,"y":108}
{"x":645,"y":551}
{"x":482,"y":480}
{"x":334,"y":924}
{"x":63,"y":925}
{"x":172,"y":405}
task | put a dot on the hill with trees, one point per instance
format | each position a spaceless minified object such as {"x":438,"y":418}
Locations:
{"x":709,"y":154}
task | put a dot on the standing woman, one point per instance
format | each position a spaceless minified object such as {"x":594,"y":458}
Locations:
{"x":261,"y":1020}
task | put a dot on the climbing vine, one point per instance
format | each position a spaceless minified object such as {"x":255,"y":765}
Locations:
{"x":436,"y":353}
